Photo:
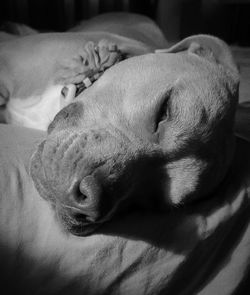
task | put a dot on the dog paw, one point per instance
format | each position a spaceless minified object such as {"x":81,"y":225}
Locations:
{"x":90,"y":62}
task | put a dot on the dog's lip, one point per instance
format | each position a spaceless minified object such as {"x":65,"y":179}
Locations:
{"x":78,"y":223}
{"x":83,"y":229}
{"x":76,"y":215}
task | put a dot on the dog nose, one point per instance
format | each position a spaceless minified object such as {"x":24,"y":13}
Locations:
{"x":87,"y":198}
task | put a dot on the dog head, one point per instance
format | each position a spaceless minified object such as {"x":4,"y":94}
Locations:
{"x":154,"y":131}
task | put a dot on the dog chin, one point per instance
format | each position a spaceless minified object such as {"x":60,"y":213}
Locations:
{"x":76,"y":225}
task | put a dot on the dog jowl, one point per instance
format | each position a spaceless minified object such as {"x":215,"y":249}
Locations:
{"x":90,"y":176}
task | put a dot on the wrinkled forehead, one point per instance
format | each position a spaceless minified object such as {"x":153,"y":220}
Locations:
{"x":157,"y":69}
{"x":136,"y":88}
{"x":152,"y":75}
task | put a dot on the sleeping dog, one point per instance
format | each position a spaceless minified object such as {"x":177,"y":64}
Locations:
{"x":155,"y":131}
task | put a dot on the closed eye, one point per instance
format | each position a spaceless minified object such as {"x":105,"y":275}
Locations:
{"x":163,"y":110}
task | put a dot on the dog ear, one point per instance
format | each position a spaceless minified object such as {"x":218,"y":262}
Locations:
{"x":200,"y":172}
{"x":192,"y":178}
{"x":208,"y":47}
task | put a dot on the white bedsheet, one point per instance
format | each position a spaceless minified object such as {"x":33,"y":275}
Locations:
{"x":201,"y":249}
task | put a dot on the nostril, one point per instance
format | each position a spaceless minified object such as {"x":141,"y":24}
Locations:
{"x":87,"y":200}
{"x":79,"y":196}
{"x":87,"y":193}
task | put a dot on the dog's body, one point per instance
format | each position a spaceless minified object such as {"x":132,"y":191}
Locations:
{"x":35,"y":68}
{"x":153,"y":131}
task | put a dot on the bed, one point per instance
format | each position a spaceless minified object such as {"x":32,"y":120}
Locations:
{"x":203,"y":248}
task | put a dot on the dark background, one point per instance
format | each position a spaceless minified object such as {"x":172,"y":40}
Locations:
{"x":227,"y":19}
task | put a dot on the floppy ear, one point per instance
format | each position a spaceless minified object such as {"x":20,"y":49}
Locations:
{"x":208,"y":47}
{"x":194,"y":177}
{"x":198,"y":174}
